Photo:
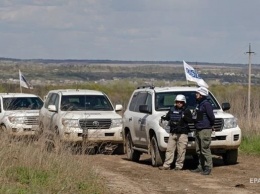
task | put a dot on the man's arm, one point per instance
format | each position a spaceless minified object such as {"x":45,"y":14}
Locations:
{"x":209,"y":112}
{"x":166,"y":117}
{"x":187,"y":116}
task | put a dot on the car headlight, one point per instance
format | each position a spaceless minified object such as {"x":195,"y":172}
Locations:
{"x":16,"y":120}
{"x":230,"y":123}
{"x":165,"y":125}
{"x":70,"y":122}
{"x":116,"y":123}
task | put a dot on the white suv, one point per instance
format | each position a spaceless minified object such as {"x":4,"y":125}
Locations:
{"x":144,"y":132}
{"x":19,"y":113}
{"x":75,"y":115}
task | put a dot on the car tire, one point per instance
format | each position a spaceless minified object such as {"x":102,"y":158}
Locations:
{"x":230,"y":157}
{"x":120,"y":149}
{"x":130,"y":152}
{"x":157,"y":155}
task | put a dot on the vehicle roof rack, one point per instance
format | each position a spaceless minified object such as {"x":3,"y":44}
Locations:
{"x":190,"y":85}
{"x":148,"y":86}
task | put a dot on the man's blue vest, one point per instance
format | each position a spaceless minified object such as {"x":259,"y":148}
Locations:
{"x":175,"y":117}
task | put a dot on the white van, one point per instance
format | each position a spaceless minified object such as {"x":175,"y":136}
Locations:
{"x":19,"y":113}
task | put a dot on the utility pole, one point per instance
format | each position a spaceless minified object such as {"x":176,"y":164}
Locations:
{"x":249,"y":84}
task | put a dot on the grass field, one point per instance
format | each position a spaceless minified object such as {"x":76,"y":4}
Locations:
{"x":26,"y":168}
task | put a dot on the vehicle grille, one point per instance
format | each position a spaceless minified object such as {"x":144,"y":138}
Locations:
{"x":95,"y":123}
{"x":218,"y":125}
{"x":33,"y":120}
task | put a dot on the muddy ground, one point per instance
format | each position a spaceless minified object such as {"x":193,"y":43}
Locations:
{"x":124,"y":177}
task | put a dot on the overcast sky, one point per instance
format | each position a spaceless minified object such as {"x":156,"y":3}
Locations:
{"x":150,"y":30}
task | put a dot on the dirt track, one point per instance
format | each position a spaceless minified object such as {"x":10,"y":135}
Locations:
{"x":123,"y":176}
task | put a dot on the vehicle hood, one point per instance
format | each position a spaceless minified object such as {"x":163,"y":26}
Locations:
{"x":90,"y":115}
{"x":22,"y":113}
{"x":218,"y":114}
{"x":221,"y":114}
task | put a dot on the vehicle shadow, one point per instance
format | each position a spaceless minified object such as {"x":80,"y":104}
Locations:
{"x":189,"y":163}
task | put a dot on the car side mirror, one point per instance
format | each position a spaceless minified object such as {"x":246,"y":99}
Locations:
{"x":144,"y":109}
{"x":225,"y":106}
{"x":52,"y":108}
{"x":118,"y":107}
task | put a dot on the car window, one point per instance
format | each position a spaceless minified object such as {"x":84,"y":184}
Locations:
{"x":46,"y":103}
{"x":85,"y":102}
{"x":141,"y":100}
{"x":22,"y":103}
{"x":149,"y":102}
{"x":133,"y":101}
{"x":53,"y":99}
{"x":165,"y":100}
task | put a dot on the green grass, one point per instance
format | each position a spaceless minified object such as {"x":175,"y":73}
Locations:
{"x":26,"y":168}
{"x":251,"y":144}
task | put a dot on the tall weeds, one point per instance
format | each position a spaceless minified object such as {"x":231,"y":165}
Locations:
{"x":26,"y":168}
{"x":237,"y":96}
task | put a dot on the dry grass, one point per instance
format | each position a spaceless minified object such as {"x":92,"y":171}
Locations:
{"x":27,"y":168}
{"x":237,"y":96}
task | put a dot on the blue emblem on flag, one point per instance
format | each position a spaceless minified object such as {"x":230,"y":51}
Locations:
{"x":192,"y":73}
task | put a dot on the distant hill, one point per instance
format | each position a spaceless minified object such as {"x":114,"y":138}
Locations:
{"x":106,"y":61}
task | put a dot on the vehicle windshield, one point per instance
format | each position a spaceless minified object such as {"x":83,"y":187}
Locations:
{"x":22,"y":103}
{"x":85,"y":102}
{"x":165,"y":100}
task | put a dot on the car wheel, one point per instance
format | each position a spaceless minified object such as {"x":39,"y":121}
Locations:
{"x":230,"y":157}
{"x":156,"y":154}
{"x":120,"y":149}
{"x":130,"y":152}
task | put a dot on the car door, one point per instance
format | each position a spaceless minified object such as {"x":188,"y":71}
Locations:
{"x":1,"y":111}
{"x":139,"y":121}
{"x":49,"y":121}
{"x":43,"y":120}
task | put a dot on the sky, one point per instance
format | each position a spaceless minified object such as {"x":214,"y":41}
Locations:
{"x":214,"y":31}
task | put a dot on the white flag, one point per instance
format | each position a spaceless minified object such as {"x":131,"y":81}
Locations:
{"x":23,"y":81}
{"x":192,"y":75}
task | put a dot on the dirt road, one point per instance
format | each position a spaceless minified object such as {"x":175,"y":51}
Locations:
{"x":123,"y":176}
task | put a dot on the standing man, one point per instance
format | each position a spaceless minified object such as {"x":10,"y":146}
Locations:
{"x":204,"y":120}
{"x":178,"y":117}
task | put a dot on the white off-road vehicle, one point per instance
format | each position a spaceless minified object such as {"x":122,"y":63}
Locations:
{"x":144,"y":132}
{"x":19,"y":113}
{"x":80,"y":116}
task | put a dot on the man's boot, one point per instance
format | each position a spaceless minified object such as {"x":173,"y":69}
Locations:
{"x":164,"y":168}
{"x":206,"y":171}
{"x":197,"y":170}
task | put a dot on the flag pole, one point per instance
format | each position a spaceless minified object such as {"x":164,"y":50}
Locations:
{"x":20,"y":81}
